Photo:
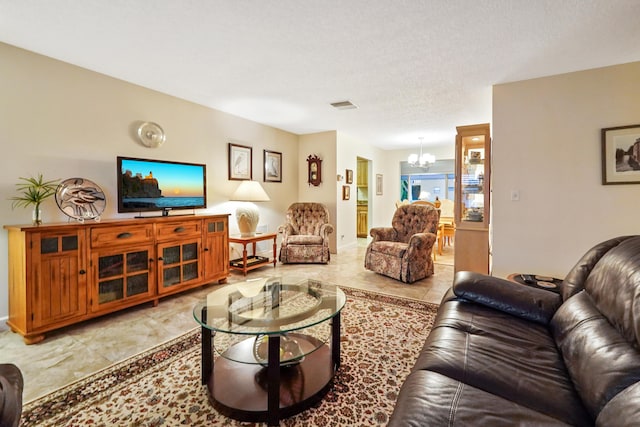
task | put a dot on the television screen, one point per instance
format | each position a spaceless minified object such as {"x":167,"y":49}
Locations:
{"x":158,"y":185}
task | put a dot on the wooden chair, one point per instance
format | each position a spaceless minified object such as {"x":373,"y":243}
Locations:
{"x":423,"y":202}
{"x":447,"y":222}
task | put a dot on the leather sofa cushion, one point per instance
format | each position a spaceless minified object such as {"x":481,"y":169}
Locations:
{"x":619,"y":267}
{"x":430,"y":399}
{"x":574,"y":281}
{"x":600,"y":361}
{"x":623,"y":410}
{"x":507,"y":356}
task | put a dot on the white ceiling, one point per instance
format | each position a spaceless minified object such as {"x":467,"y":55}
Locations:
{"x":414,"y":67}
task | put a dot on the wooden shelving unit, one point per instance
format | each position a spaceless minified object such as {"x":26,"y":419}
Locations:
{"x":61,"y":274}
{"x":472,"y":197}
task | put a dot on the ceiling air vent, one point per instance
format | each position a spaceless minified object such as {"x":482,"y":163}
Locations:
{"x":344,"y":105}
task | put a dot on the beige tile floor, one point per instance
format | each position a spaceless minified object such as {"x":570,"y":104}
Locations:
{"x":74,"y":352}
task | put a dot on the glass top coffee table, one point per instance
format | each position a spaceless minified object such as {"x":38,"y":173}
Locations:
{"x":270,"y":346}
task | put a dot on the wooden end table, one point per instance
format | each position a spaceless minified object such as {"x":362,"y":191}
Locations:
{"x":248,"y":263}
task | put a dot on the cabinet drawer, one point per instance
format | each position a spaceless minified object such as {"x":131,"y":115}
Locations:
{"x":178,"y":229}
{"x":121,"y":235}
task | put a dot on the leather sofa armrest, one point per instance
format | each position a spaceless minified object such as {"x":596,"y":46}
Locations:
{"x":11,"y":388}
{"x":383,"y":233}
{"x":537,"y":305}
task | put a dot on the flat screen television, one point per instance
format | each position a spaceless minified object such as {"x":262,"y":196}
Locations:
{"x":158,"y":185}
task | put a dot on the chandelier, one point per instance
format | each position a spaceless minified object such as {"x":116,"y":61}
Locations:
{"x":423,"y":159}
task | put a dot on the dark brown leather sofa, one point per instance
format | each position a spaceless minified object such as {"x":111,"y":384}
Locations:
{"x":11,"y":386}
{"x":503,"y":354}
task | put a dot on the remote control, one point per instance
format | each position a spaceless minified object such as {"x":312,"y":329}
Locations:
{"x":528,"y":278}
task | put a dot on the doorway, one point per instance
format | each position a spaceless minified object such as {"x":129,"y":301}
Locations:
{"x":362,"y":197}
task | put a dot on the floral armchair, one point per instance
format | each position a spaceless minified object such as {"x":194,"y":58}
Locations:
{"x":403,"y":251}
{"x":305,"y":235}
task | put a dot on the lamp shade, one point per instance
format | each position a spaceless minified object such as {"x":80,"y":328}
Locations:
{"x":250,"y":191}
{"x":247,"y":214}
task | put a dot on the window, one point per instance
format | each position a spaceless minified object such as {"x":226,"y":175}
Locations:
{"x":427,"y":187}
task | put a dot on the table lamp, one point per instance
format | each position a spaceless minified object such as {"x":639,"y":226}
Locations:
{"x":247,"y":214}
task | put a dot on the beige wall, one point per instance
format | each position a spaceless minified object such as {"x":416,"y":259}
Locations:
{"x":349,"y":149}
{"x":546,"y":145}
{"x":323,"y":145}
{"x":65,"y":121}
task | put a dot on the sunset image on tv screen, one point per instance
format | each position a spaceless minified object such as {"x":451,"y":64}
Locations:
{"x":150,"y":184}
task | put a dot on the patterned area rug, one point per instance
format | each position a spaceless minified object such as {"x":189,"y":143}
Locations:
{"x":381,"y":338}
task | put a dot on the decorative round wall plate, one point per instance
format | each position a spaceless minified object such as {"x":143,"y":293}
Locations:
{"x":151,"y":134}
{"x":80,"y":199}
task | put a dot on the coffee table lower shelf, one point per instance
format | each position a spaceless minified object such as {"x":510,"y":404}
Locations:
{"x":241,"y":391}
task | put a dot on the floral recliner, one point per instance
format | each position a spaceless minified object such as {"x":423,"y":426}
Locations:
{"x":403,"y":251}
{"x":305,"y":236}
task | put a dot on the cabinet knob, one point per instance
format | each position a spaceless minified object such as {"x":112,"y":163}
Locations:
{"x":124,"y":235}
{"x":206,"y":249}
{"x":160,"y":258}
{"x":150,"y":260}
{"x":82,"y":272}
{"x":178,"y":229}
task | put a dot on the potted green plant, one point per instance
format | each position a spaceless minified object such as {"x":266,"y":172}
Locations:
{"x":33,"y":191}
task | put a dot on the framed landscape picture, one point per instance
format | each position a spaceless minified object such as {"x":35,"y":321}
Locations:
{"x":272,"y":166}
{"x":621,"y":155}
{"x":240,"y":160}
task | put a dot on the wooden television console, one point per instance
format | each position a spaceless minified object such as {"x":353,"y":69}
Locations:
{"x":61,"y":274}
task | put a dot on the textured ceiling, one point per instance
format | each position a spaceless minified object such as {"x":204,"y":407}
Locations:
{"x":413,"y":67}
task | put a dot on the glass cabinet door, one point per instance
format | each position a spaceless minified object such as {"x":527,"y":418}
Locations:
{"x":178,"y":264}
{"x":472,"y":180}
{"x":123,"y":275}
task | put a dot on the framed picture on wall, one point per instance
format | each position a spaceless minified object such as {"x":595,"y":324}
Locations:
{"x":379,"y":184}
{"x":272,"y":166}
{"x":621,"y":155}
{"x":349,"y":176}
{"x":240,"y":161}
{"x":346,"y":192}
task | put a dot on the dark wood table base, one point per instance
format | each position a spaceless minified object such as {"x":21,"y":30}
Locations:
{"x":243,"y":393}
{"x":256,"y":393}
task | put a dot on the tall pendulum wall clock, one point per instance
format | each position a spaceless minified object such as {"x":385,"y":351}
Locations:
{"x":315,"y":170}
